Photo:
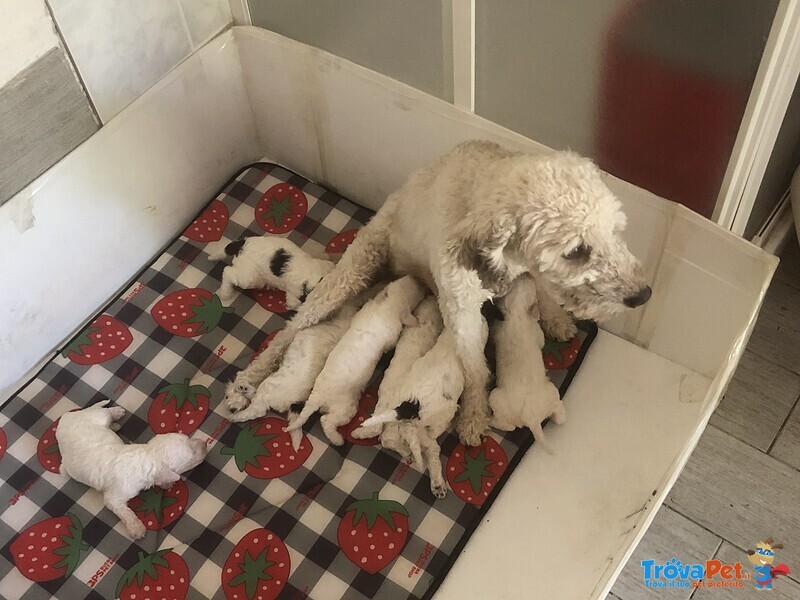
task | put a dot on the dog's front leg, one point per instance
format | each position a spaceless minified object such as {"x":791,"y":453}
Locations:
{"x":556,"y":322}
{"x":119,"y":506}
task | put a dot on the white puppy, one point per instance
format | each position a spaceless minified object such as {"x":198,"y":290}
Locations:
{"x":413,"y":343}
{"x":270,"y":261}
{"x":374,"y":330}
{"x":94,"y":455}
{"x":427,"y":403}
{"x":524,"y":396}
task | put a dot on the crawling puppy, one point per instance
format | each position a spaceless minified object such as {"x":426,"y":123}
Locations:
{"x":374,"y":330}
{"x":427,"y":404}
{"x":270,"y":261}
{"x":94,"y":455}
{"x":413,"y":343}
{"x":524,"y":396}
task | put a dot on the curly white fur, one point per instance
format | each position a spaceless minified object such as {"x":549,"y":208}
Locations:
{"x":373,"y":331}
{"x":269,"y":261}
{"x":94,"y":455}
{"x":524,"y":396}
{"x":433,"y":386}
{"x":468,"y":225}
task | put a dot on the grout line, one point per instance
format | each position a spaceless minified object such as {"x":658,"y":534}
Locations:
{"x":74,"y":65}
{"x":186,"y":29}
{"x":782,"y":427}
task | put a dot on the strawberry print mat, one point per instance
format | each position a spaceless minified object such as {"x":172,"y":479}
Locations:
{"x":256,"y":520}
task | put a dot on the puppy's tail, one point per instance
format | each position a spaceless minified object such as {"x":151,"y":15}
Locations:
{"x":309,"y":409}
{"x":408,"y":409}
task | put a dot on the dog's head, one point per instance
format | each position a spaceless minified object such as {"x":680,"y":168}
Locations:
{"x":556,"y":217}
{"x":178,"y":452}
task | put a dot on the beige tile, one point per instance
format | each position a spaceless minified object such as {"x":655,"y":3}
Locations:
{"x":670,"y":535}
{"x":782,"y":589}
{"x":787,"y":446}
{"x":44,"y":114}
{"x":205,"y":18}
{"x":758,"y":401}
{"x":739,"y":493}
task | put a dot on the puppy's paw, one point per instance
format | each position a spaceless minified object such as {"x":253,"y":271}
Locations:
{"x":115,"y":427}
{"x":296,"y":437}
{"x":560,"y":328}
{"x":246,"y":390}
{"x":439,"y":488}
{"x":409,"y":320}
{"x":292,"y":303}
{"x":116,"y":412}
{"x":136,"y":529}
{"x":471,"y":429}
{"x":364,"y":433}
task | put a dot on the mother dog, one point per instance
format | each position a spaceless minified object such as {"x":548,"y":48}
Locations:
{"x":467,"y":225}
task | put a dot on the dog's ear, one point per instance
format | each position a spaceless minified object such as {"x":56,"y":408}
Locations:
{"x":478,"y":244}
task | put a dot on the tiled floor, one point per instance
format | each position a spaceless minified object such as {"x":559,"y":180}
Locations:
{"x":742,"y":484}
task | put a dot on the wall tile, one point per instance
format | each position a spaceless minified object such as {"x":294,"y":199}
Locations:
{"x":44,"y":114}
{"x":26,"y":34}
{"x":120,"y":47}
{"x":205,"y":18}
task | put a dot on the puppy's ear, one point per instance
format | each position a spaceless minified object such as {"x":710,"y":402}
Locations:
{"x":478,"y":245}
{"x":165,"y":477}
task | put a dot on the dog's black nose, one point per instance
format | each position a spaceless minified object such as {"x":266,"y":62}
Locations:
{"x":639,"y":298}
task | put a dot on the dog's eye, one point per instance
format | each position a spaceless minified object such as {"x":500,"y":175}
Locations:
{"x":579,"y":252}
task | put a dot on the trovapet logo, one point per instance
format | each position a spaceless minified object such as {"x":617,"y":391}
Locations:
{"x":675,"y":574}
{"x":762,"y":558}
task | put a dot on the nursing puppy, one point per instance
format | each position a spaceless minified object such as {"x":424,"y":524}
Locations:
{"x":524,"y":396}
{"x":270,"y":261}
{"x":94,"y":455}
{"x":414,"y":342}
{"x":471,"y":223}
{"x":429,"y":403}
{"x":373,"y":331}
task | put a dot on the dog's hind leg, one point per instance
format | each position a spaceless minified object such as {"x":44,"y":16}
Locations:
{"x":433,"y":462}
{"x":226,"y":291}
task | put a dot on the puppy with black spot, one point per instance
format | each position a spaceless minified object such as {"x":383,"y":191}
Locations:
{"x":373,"y":331}
{"x":269,"y":261}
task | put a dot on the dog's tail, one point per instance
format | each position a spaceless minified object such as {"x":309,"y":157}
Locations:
{"x":296,"y":435}
{"x":309,"y":408}
{"x":408,"y":409}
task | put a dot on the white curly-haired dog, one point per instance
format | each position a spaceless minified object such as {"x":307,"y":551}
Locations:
{"x":524,"y":396}
{"x":467,"y":226}
{"x":269,"y":261}
{"x":92,"y":453}
{"x":427,"y":404}
{"x":414,"y":342}
{"x":373,"y":331}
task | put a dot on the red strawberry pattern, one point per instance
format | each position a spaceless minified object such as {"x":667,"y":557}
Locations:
{"x":366,"y":406}
{"x":560,"y":355}
{"x":162,"y":575}
{"x":264,"y":345}
{"x":281,"y":208}
{"x":269,"y":299}
{"x":158,"y":508}
{"x":341,"y":241}
{"x":189,"y":313}
{"x":49,"y":549}
{"x":373,"y":532}
{"x":210,"y":225}
{"x":473,"y":472}
{"x":47,"y":450}
{"x":3,"y":443}
{"x":257,"y":567}
{"x":105,"y":338}
{"x":179,"y":408}
{"x":264,"y":451}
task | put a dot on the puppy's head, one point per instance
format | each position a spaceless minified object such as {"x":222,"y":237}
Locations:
{"x":556,"y":217}
{"x":178,"y":452}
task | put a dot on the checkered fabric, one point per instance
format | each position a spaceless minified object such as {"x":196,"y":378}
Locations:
{"x":256,"y":519}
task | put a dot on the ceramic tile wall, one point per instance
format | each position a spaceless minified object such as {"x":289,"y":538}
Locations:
{"x":121,"y":48}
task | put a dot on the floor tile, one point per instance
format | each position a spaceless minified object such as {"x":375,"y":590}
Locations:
{"x":670,"y":535}
{"x":777,"y":331}
{"x":787,"y":446}
{"x":758,"y":401}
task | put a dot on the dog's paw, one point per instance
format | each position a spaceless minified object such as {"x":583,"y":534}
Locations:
{"x":471,"y":430}
{"x":115,"y":427}
{"x":136,"y":529}
{"x":561,"y":328}
{"x":364,"y":433}
{"x":292,"y":303}
{"x":116,"y":412}
{"x":296,"y":437}
{"x":439,"y":488}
